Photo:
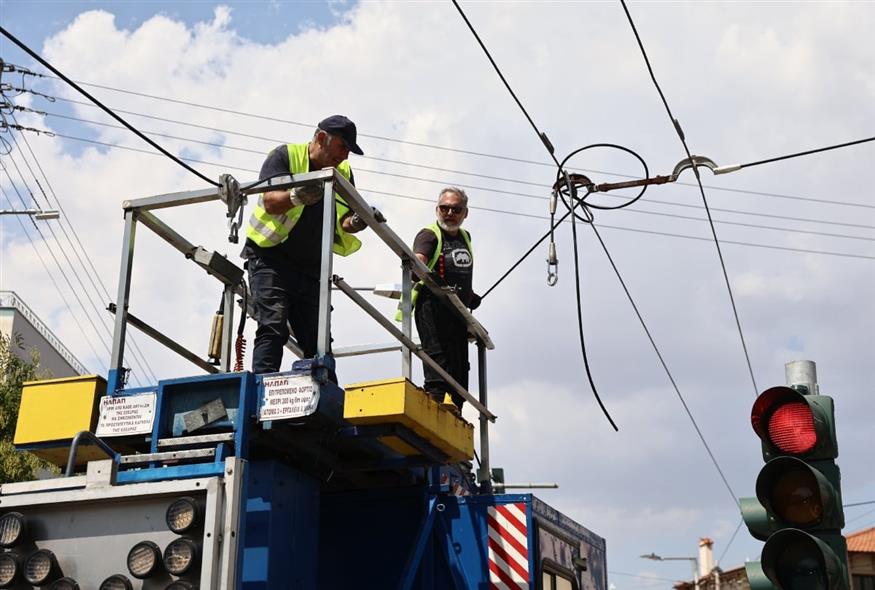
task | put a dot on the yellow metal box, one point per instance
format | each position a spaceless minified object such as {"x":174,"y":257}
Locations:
{"x":53,"y":411}
{"x":399,"y":401}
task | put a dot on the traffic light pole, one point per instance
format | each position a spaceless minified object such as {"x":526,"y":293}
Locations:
{"x":802,"y":374}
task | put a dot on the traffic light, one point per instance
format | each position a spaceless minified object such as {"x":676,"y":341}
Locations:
{"x":798,"y":506}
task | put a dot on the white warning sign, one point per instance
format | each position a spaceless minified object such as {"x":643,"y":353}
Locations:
{"x":288,"y":396}
{"x":124,"y":415}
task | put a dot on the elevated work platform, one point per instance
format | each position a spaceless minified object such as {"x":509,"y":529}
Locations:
{"x":398,"y":401}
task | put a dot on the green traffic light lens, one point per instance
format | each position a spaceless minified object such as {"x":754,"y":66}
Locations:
{"x":791,"y":428}
{"x":795,"y":497}
{"x":799,"y":568}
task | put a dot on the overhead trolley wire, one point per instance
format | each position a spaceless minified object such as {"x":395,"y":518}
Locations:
{"x":405,"y":142}
{"x":108,"y":111}
{"x":574,"y":203}
{"x":665,"y":366}
{"x":549,"y":147}
{"x":680,"y":133}
{"x":729,"y":543}
{"x":799,"y":154}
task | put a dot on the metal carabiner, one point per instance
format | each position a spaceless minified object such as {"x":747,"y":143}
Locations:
{"x":552,"y":265}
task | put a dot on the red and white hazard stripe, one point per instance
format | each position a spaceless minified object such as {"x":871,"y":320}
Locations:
{"x":508,"y":546}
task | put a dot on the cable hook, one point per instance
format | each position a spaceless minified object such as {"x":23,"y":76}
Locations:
{"x":552,"y":260}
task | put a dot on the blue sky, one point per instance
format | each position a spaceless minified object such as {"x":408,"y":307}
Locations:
{"x":34,"y":20}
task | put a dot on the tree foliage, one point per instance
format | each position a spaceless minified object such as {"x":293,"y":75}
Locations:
{"x":14,"y":370}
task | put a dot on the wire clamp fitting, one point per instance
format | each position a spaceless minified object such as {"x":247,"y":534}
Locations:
{"x":229,"y":192}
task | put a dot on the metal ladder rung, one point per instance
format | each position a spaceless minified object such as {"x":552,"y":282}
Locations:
{"x":167,"y":456}
{"x":183,"y":441}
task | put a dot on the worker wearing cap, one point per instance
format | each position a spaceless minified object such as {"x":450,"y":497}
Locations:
{"x":283,"y":248}
{"x":446,"y":249}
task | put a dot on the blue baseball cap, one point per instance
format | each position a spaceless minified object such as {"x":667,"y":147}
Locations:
{"x":344,"y":129}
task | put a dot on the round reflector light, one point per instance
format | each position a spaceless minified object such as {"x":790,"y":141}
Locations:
{"x":116,"y":582}
{"x":40,"y":567}
{"x":144,"y":559}
{"x":791,"y":428}
{"x":182,"y":515}
{"x":8,"y":570}
{"x":796,"y":497}
{"x":181,"y":585}
{"x":11,"y":528}
{"x":180,"y":556}
{"x":65,"y":584}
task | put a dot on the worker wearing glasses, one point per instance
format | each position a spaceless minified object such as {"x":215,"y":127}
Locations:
{"x":446,"y":249}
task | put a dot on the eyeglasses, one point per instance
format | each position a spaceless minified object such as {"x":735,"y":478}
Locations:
{"x":454,"y":208}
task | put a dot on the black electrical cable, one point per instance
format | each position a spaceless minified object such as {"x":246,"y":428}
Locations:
{"x":680,"y":133}
{"x":503,"y":179}
{"x":60,"y":268}
{"x":135,"y":352}
{"x":541,"y":136}
{"x":108,"y":111}
{"x":805,"y":153}
{"x":413,"y":143}
{"x":595,"y":392}
{"x":588,"y":217}
{"x":858,"y":504}
{"x":66,"y":302}
{"x":620,"y":228}
{"x":502,"y":211}
{"x":731,"y":539}
{"x":524,"y":256}
{"x":664,"y":365}
{"x":549,"y":147}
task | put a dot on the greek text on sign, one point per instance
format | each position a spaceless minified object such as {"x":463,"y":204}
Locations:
{"x":126,"y":414}
{"x":288,"y":396}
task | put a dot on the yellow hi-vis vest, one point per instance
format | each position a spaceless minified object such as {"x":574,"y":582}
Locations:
{"x":435,"y":228}
{"x":267,"y":230}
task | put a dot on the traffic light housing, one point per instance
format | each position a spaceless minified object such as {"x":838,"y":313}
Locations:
{"x":798,"y":506}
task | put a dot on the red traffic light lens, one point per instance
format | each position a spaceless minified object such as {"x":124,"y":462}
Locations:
{"x":791,"y":428}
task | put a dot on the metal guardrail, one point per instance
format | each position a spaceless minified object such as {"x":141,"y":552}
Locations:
{"x":230,"y":275}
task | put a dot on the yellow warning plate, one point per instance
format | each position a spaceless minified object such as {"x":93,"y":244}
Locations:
{"x":56,"y":409}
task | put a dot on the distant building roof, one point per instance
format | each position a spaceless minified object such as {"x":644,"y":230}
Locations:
{"x":9,"y":300}
{"x":862,"y":541}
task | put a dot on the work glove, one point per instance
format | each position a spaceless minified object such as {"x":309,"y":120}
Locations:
{"x":475,"y":302}
{"x":358,"y":224}
{"x":306,"y":195}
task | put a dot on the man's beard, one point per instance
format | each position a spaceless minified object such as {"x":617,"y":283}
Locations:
{"x":451,"y":227}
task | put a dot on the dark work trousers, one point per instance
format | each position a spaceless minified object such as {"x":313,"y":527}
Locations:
{"x":281,"y":297}
{"x":444,"y":338}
